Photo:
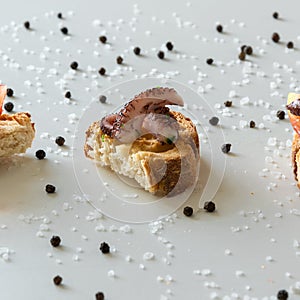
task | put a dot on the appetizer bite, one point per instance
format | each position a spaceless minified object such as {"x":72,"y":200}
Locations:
{"x":149,"y":142}
{"x":16,"y":130}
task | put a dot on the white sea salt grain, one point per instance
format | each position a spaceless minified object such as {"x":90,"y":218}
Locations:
{"x":228,"y":252}
{"x":269,"y":258}
{"x":148,"y":256}
{"x":111,"y":274}
{"x":239,"y":273}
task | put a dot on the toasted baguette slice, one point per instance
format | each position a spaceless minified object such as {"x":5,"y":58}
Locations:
{"x":296,"y":158}
{"x":16,"y":133}
{"x":160,"y":168}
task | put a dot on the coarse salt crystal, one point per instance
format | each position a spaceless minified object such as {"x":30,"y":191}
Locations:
{"x":269,"y":258}
{"x":239,"y":273}
{"x":245,"y":101}
{"x":111,"y":274}
{"x":148,"y":256}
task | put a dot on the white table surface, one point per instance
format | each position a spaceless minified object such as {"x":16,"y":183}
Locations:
{"x":249,"y":246}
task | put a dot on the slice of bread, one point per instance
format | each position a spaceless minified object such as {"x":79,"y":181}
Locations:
{"x":296,"y":158}
{"x":160,"y":168}
{"x":16,"y":133}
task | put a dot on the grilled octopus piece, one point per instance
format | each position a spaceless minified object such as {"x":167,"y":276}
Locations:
{"x":131,"y":121}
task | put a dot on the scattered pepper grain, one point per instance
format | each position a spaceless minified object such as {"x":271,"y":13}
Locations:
{"x":55,"y":241}
{"x":64,"y":30}
{"x":102,"y":98}
{"x":169,"y":46}
{"x":104,"y":248}
{"x":8,"y":106}
{"x":9,"y":92}
{"x":219,"y":28}
{"x":243,"y":48}
{"x":99,"y":296}
{"x":68,"y":94}
{"x":57,"y":280}
{"x":282,"y":295}
{"x":60,"y":141}
{"x":280,"y":114}
{"x":275,"y":37}
{"x":252,"y":124}
{"x":137,"y":50}
{"x":214,"y":121}
{"x":40,"y":154}
{"x":248,"y":50}
{"x":188,"y":211}
{"x":161,"y":54}
{"x":242,"y":56}
{"x":209,"y":61}
{"x":226,"y":148}
{"x":228,"y":103}
{"x":74,"y":65}
{"x":209,"y":206}
{"x":27,"y":25}
{"x":119,"y":60}
{"x":102,"y":71}
{"x":50,"y":189}
{"x":103,"y":39}
{"x":290,"y":45}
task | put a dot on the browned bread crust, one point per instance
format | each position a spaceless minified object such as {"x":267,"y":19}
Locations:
{"x":168,"y":169}
{"x":16,"y":133}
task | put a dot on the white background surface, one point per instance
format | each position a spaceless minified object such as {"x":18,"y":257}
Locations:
{"x":255,"y":216}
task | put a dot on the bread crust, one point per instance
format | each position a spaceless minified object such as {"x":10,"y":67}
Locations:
{"x":162,"y":169}
{"x":16,"y":133}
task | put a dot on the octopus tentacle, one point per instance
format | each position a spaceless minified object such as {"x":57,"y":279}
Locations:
{"x":150,"y":101}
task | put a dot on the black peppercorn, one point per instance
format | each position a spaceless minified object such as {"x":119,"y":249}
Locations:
{"x":169,"y":46}
{"x":188,"y":211}
{"x":209,"y":206}
{"x":275,"y":15}
{"x":57,"y":280}
{"x":40,"y":154}
{"x":219,"y":28}
{"x":137,"y":50}
{"x":99,"y":296}
{"x":161,"y":54}
{"x":214,"y":121}
{"x":275,"y":37}
{"x":290,"y":45}
{"x":27,"y":25}
{"x":282,"y":295}
{"x":226,"y":148}
{"x":209,"y":61}
{"x":102,"y":71}
{"x":104,"y":248}
{"x":119,"y":60}
{"x":50,"y":189}
{"x":68,"y":94}
{"x":102,"y":98}
{"x":103,"y":39}
{"x":60,"y":141}
{"x":74,"y":65}
{"x":228,"y":103}
{"x":249,"y":50}
{"x":55,"y":241}
{"x":9,"y":92}
{"x":9,"y":106}
{"x":59,"y":15}
{"x":280,"y":114}
{"x":64,"y":30}
{"x":252,"y":124}
{"x":242,"y":56}
{"x":243,"y":48}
